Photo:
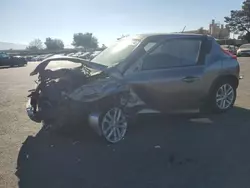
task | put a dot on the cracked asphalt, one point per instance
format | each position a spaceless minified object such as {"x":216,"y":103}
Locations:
{"x":188,"y":150}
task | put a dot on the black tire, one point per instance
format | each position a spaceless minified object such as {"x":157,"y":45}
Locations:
{"x":212,"y":105}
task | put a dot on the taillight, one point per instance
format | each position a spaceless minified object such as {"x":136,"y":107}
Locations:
{"x":229,"y":53}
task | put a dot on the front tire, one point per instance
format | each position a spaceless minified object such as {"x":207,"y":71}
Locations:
{"x":222,"y":97}
{"x":114,"y":125}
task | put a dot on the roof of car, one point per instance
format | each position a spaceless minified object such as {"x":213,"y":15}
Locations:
{"x":145,"y":35}
{"x":165,"y":35}
{"x":247,"y":44}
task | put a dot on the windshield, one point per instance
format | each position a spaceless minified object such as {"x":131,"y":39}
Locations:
{"x":3,"y":55}
{"x":245,"y":46}
{"x":117,"y":52}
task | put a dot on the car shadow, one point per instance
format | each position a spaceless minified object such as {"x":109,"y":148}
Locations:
{"x":158,"y":151}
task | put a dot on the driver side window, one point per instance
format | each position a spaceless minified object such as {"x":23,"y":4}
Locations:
{"x":173,"y":53}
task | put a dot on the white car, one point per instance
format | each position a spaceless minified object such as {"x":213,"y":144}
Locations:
{"x":244,"y":50}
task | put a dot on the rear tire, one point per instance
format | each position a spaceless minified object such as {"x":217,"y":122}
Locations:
{"x":222,"y":97}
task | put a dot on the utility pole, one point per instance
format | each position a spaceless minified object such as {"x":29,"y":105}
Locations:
{"x":183,"y":29}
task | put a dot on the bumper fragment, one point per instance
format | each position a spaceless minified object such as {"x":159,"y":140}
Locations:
{"x":31,"y":114}
{"x":93,"y":121}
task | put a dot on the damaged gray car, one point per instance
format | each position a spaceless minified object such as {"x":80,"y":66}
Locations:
{"x":157,"y":72}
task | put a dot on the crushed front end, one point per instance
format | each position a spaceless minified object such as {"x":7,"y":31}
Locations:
{"x":67,"y":95}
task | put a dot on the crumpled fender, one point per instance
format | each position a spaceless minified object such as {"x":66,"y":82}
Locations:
{"x":98,"y":90}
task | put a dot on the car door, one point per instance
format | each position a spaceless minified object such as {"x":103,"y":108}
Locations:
{"x":170,"y":77}
{"x":4,"y":59}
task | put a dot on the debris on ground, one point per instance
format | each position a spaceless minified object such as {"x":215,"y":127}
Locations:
{"x":76,"y":142}
{"x":157,"y":147}
{"x":171,"y":159}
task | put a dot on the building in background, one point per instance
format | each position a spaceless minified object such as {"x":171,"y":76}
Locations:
{"x":217,"y":30}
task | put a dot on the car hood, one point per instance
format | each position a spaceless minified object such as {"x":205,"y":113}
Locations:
{"x":243,"y":49}
{"x":41,"y":66}
{"x":92,"y":65}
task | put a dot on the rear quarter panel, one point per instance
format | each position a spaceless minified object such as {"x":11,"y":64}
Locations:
{"x":230,"y":67}
{"x":218,"y":64}
{"x":213,"y":66}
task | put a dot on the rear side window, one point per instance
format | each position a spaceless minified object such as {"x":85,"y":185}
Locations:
{"x":174,"y":53}
{"x":185,"y":49}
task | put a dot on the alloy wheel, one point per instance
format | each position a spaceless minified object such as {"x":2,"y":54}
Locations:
{"x":225,"y":96}
{"x":114,"y":125}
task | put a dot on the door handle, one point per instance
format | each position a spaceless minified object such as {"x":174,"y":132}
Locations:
{"x":190,"y":79}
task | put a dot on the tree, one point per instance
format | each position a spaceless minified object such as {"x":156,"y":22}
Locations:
{"x":239,"y":20}
{"x":34,"y":45}
{"x":122,"y":37}
{"x":54,"y":44}
{"x":86,"y":40}
{"x":103,"y":46}
{"x":201,"y":31}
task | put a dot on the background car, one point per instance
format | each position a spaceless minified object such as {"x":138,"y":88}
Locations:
{"x":7,"y":60}
{"x":244,"y":50}
{"x":230,"y":48}
{"x":85,"y":55}
{"x":94,"y":54}
{"x":28,"y":58}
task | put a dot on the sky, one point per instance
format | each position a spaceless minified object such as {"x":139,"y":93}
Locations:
{"x":25,"y":20}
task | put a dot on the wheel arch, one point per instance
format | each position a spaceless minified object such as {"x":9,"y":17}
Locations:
{"x":232,"y":78}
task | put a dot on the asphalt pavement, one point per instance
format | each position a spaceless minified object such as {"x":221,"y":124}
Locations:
{"x":191,"y":150}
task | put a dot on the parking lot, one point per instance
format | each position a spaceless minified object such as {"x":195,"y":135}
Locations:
{"x":188,"y":150}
